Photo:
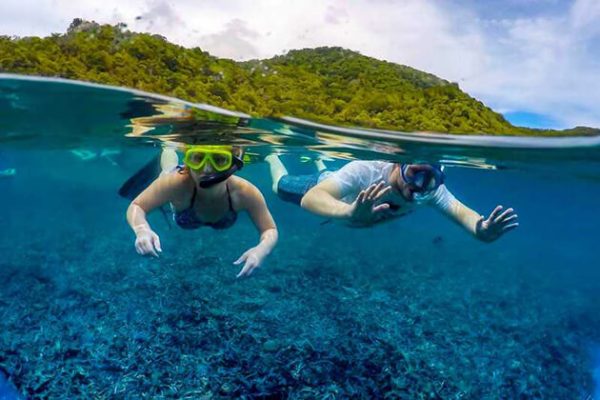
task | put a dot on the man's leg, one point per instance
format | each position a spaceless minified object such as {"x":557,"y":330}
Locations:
{"x":320,"y":165}
{"x":278,"y":170}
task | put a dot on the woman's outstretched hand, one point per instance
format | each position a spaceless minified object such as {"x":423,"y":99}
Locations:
{"x":147,"y":242}
{"x":252,"y":259}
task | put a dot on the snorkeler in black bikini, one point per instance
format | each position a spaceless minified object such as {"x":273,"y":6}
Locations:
{"x":204,"y":192}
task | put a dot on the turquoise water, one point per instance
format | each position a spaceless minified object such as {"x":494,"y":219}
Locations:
{"x":411,"y":309}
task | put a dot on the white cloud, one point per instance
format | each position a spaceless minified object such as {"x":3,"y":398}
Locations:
{"x":161,"y":16}
{"x":540,"y":62}
{"x":584,"y":16}
{"x":542,"y":65}
{"x":235,"y":41}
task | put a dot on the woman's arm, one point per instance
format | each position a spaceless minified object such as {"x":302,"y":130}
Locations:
{"x":158,"y":193}
{"x":254,"y":203}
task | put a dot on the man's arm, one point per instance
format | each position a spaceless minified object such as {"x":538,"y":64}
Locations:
{"x":485,"y":229}
{"x":324,"y":200}
{"x":463,"y":215}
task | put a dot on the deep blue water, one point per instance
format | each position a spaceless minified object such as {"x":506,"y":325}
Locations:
{"x":413,"y":308}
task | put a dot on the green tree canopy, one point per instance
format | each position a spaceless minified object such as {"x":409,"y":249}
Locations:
{"x":328,"y":84}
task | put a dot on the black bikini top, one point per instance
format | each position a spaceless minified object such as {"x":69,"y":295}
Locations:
{"x":187,"y":219}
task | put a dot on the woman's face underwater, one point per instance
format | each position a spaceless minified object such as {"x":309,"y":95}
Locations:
{"x":206,"y":160}
{"x":210,"y":165}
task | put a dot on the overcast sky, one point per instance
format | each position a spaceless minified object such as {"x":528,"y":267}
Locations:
{"x":537,"y":61}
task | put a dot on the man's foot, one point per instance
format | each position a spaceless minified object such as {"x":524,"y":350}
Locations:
{"x":320,"y":164}
{"x":273,"y":159}
{"x":277,"y":169}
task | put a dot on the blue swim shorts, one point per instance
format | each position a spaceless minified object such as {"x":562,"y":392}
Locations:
{"x":292,"y":188}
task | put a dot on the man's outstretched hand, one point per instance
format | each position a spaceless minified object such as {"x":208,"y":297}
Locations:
{"x":363,"y":210}
{"x":497,"y":224}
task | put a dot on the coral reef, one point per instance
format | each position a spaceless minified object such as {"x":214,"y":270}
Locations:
{"x":99,"y":322}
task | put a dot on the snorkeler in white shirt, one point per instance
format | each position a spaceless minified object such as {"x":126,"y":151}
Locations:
{"x":366,"y":193}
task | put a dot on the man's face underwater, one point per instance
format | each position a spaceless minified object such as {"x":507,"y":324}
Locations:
{"x":416,"y":181}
